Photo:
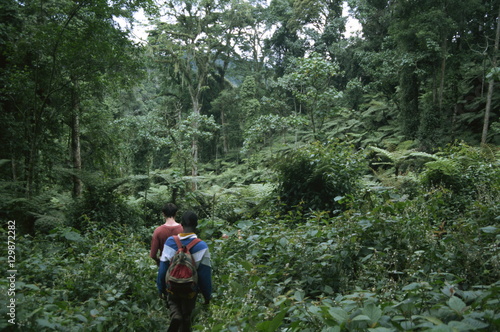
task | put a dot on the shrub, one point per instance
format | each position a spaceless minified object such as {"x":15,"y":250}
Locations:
{"x":466,"y":172}
{"x":384,"y":270}
{"x":317,"y":175}
{"x":102,"y":203}
{"x":100,"y":281}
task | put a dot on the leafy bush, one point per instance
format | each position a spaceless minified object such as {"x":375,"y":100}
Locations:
{"x":101,"y":281}
{"x":316,"y":175}
{"x":38,"y":213}
{"x":102,"y":203}
{"x":443,"y":172}
{"x":235,"y":203}
{"x":390,"y":262}
{"x":465,"y":171}
{"x":385,"y":271}
{"x":460,"y":168}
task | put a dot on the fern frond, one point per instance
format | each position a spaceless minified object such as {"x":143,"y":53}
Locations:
{"x":425,"y":155}
{"x":388,"y":154}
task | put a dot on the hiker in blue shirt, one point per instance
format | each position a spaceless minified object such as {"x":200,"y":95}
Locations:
{"x":181,"y":306}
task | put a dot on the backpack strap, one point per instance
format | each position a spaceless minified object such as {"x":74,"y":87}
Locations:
{"x":193,"y":243}
{"x":177,"y":241}
{"x":189,"y":246}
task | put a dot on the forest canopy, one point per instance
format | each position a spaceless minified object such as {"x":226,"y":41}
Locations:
{"x":370,"y":158}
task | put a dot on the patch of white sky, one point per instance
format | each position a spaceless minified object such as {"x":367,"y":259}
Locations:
{"x":353,"y":27}
{"x":139,"y":28}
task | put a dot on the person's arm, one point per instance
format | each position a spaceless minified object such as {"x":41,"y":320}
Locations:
{"x":205,"y":277}
{"x":160,"y":280}
{"x":155,"y":244}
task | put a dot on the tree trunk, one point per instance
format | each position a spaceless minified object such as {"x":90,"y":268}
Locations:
{"x":75,"y":144}
{"x":30,"y":170}
{"x":410,"y":114}
{"x":14,"y":169}
{"x":194,"y":146}
{"x":31,"y":156}
{"x":491,"y":83}
{"x":443,"y":70}
{"x":76,"y":156}
{"x":225,"y":146}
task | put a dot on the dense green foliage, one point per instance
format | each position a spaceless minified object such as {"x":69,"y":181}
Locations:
{"x":318,"y":176}
{"x":356,"y":174}
{"x":388,"y":262}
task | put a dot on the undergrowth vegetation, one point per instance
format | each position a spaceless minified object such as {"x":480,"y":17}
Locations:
{"x":421,"y":254}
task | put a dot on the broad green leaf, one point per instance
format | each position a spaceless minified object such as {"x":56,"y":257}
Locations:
{"x":51,"y":307}
{"x":442,"y":328}
{"x":276,"y":322}
{"x":73,"y":236}
{"x":313,"y":232}
{"x":31,"y":286}
{"x":490,"y":229}
{"x":412,"y":286}
{"x":327,"y":289}
{"x":63,"y":305}
{"x":361,"y":317}
{"x":45,"y":323}
{"x":246,"y":265}
{"x":283,"y":241}
{"x":81,"y":318}
{"x":460,"y":326}
{"x":434,"y":320}
{"x":331,"y":329}
{"x":373,"y":312}
{"x":475,"y":324}
{"x":272,"y":325}
{"x":313,"y":309}
{"x":279,"y":300}
{"x":456,"y":304}
{"x":243,"y":224}
{"x":367,"y":257}
{"x":339,"y":314}
{"x":407,"y":325}
{"x":299,"y":295}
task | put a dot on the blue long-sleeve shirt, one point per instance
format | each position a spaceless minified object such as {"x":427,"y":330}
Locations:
{"x":201,"y":257}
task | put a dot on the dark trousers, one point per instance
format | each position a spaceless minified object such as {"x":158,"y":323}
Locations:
{"x":180,"y":313}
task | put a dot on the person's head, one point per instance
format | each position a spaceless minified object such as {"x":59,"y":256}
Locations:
{"x":189,"y":220}
{"x":169,"y":210}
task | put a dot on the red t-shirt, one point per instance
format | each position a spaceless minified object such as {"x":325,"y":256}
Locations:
{"x":160,"y":235}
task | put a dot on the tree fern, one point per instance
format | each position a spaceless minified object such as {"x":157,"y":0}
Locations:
{"x":401,"y":156}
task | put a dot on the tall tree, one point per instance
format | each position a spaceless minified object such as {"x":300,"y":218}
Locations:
{"x":310,"y":81}
{"x":66,"y":52}
{"x":196,"y":40}
{"x":491,"y":82}
{"x":436,"y":49}
{"x":286,"y":42}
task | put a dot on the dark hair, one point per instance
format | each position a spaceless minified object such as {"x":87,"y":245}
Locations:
{"x":169,"y":210}
{"x":189,"y":219}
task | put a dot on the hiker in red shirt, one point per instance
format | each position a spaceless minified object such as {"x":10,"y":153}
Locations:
{"x":163,"y":232}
